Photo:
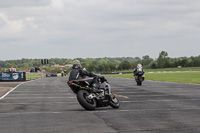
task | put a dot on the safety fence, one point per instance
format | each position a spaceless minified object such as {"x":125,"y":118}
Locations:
{"x":33,"y":75}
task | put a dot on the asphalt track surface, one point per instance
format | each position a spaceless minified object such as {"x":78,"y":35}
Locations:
{"x":49,"y":106}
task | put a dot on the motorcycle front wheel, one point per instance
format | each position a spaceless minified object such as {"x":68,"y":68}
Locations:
{"x":88,"y":104}
{"x":114,"y":102}
{"x":139,"y":82}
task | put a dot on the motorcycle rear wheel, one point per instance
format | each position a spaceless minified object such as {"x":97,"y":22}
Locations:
{"x":88,"y":104}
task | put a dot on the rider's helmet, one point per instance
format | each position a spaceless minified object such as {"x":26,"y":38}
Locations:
{"x":139,"y":65}
{"x":76,"y":66}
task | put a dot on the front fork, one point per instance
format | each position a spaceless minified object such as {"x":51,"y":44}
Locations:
{"x":91,"y":96}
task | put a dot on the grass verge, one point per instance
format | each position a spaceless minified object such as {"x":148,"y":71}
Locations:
{"x":180,"y":77}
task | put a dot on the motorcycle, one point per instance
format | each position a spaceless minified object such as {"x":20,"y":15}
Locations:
{"x":139,"y":78}
{"x":89,"y":100}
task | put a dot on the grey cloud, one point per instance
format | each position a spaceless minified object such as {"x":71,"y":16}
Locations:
{"x":106,"y":28}
{"x":23,"y":3}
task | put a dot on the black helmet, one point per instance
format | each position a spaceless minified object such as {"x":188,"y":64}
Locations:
{"x":76,"y":66}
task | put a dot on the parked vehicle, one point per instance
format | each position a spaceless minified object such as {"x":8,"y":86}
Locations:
{"x":89,"y":100}
{"x":51,"y":75}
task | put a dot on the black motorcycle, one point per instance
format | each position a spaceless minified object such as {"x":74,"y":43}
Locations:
{"x":139,"y":78}
{"x":89,"y":100}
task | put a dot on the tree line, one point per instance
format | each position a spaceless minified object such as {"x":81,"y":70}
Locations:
{"x":107,"y":64}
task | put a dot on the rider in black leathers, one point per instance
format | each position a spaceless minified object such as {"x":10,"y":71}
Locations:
{"x":78,"y":73}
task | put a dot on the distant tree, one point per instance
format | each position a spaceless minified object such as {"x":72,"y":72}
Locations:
{"x":133,"y":65}
{"x":106,"y":64}
{"x":91,"y":68}
{"x":2,"y":63}
{"x":76,"y":61}
{"x":112,"y":67}
{"x":124,"y":65}
{"x":9,"y":65}
{"x":107,"y":68}
{"x":153,"y":65}
{"x":100,"y":68}
{"x":163,"y":54}
{"x":162,"y":59}
{"x":145,"y":57}
{"x":146,"y":60}
{"x":137,"y":58}
{"x":80,"y":59}
{"x":84,"y":65}
{"x":89,"y":60}
{"x":68,"y":61}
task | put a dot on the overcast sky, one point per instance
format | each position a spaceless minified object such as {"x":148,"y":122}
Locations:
{"x":98,"y":28}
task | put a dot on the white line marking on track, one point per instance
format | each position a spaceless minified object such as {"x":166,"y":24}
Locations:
{"x":104,"y":111}
{"x":39,"y":97}
{"x":12,"y":90}
{"x":170,"y":100}
{"x":120,"y":96}
{"x":160,"y":100}
{"x":50,"y":94}
{"x":26,"y":91}
{"x":33,"y":113}
{"x":179,"y":109}
{"x":15,"y":88}
{"x":125,"y":101}
{"x":30,"y":103}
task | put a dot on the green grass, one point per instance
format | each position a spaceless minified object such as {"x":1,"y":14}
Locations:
{"x":166,"y":69}
{"x":180,"y":77}
{"x":174,"y":69}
